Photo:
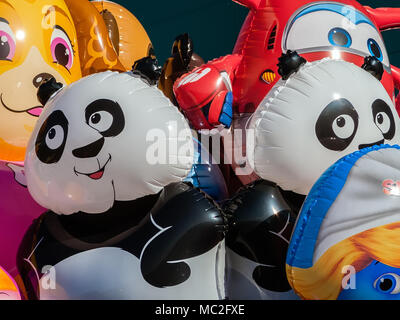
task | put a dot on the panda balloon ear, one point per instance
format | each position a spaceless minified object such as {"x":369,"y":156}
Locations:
{"x":47,"y":89}
{"x":373,"y":66}
{"x":289,"y":63}
{"x":148,"y":69}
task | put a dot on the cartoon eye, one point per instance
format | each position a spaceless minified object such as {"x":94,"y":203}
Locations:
{"x":343,"y":126}
{"x":55,"y":137}
{"x":7,"y":42}
{"x":61,"y":48}
{"x":388,"y":283}
{"x":339,"y":37}
{"x":52,"y":137}
{"x":375,"y":49}
{"x":105,"y":116}
{"x":382,"y":121}
{"x":337,"y":125}
{"x":101,"y":121}
{"x":383,"y":118}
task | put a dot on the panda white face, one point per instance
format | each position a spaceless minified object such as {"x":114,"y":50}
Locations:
{"x":328,"y":109}
{"x":89,"y":147}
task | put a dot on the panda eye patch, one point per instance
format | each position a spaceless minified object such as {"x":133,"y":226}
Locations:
{"x":51,"y":139}
{"x":337,"y":125}
{"x":383,"y":118}
{"x":106,"y":117}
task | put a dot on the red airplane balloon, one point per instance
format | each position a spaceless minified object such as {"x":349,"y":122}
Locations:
{"x":342,"y":29}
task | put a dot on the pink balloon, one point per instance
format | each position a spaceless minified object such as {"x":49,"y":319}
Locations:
{"x":17,"y":211}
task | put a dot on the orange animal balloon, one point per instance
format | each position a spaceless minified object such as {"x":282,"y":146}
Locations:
{"x":38,"y":40}
{"x":129,"y":37}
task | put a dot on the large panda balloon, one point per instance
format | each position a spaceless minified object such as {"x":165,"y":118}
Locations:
{"x":316,"y":114}
{"x":107,"y":157}
{"x":326,"y":110}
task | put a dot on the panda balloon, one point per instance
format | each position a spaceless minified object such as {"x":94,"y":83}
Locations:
{"x":107,"y":158}
{"x":316,"y":114}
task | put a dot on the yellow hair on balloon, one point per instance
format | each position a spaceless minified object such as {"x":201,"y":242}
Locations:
{"x":323,"y":281}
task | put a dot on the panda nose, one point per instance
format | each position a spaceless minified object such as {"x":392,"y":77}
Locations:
{"x":89,"y":151}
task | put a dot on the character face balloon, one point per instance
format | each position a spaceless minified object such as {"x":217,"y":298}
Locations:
{"x":106,"y":137}
{"x":325,"y":111}
{"x":345,"y":242}
{"x":37,"y":41}
{"x":345,"y":31}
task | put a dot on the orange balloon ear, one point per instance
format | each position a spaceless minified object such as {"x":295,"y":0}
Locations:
{"x":112,"y":27}
{"x":96,"y":51}
{"x":134,"y":42}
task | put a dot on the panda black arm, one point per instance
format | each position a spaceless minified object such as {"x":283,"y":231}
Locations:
{"x":25,"y":261}
{"x":190,"y":224}
{"x":261,"y":223}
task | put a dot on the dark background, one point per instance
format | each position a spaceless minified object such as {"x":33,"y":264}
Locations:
{"x":214,"y":24}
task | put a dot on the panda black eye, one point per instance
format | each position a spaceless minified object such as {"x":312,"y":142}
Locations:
{"x":52,"y":133}
{"x":95,"y":118}
{"x":106,"y":117}
{"x":337,"y":125}
{"x":384,"y":119}
{"x":51,"y":139}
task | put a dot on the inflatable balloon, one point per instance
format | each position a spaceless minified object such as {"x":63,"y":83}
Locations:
{"x":122,"y":224}
{"x":345,"y":242}
{"x":182,"y":60}
{"x":44,"y":39}
{"x":226,"y":89}
{"x":8,"y":287}
{"x":96,"y":50}
{"x":206,"y":175}
{"x":322,"y":111}
{"x":129,"y":38}
{"x":260,"y":226}
{"x":38,"y":41}
{"x":17,"y":211}
{"x":328,"y":109}
{"x":346,"y":30}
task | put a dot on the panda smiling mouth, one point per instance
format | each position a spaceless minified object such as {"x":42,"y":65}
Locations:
{"x":363,"y":146}
{"x":97,"y":175}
